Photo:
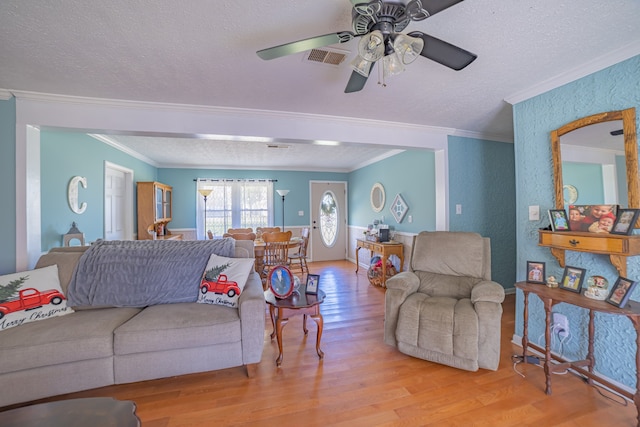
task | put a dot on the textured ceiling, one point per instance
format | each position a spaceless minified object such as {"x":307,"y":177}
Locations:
{"x":202,"y":52}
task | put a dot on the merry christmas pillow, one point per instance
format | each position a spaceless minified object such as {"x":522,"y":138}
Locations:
{"x":30,"y":296}
{"x":224,"y":279}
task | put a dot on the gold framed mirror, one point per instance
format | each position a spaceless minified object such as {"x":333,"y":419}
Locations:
{"x":627,"y":119}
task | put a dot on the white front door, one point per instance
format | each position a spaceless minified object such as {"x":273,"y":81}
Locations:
{"x":328,"y":221}
{"x":118,"y":212}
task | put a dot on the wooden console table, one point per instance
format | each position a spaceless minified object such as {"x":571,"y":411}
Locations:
{"x":384,"y":249}
{"x":553,"y":296}
{"x":618,"y":247}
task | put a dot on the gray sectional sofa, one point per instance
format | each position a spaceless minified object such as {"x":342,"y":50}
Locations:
{"x":99,"y":346}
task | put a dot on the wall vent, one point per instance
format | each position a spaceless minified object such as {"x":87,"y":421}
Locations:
{"x":326,"y":56}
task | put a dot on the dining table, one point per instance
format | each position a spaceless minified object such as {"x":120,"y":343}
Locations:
{"x":258,"y":251}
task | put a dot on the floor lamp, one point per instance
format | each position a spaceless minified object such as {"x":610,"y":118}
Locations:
{"x":205,"y":192}
{"x":282,"y":193}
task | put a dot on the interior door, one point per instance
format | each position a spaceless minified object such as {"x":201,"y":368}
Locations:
{"x":117,"y":224}
{"x":328,"y":221}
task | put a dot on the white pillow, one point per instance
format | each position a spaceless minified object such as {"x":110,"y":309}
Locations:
{"x":30,"y":296}
{"x":224,"y":279}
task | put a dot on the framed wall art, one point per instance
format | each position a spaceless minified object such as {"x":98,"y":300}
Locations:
{"x":399,"y":208}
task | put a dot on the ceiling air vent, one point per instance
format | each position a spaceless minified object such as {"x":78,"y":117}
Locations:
{"x":325,"y":56}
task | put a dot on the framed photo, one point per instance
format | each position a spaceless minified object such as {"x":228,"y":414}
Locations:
{"x":625,"y":221}
{"x":535,"y":272}
{"x":621,"y":292}
{"x":281,"y":282}
{"x":559,"y":220}
{"x":313,"y":282}
{"x":592,"y":218}
{"x":572,"y":279}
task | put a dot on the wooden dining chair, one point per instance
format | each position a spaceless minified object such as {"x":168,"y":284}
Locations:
{"x":241,"y":236}
{"x":240,"y":230}
{"x":299,"y":258}
{"x":276,"y":251}
{"x":262,"y":230}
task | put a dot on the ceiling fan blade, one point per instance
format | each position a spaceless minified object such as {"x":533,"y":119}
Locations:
{"x":444,"y":53}
{"x":356,"y":83}
{"x":435,"y":6}
{"x":306,"y":44}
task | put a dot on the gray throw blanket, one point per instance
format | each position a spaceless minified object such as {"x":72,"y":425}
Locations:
{"x":138,"y":273}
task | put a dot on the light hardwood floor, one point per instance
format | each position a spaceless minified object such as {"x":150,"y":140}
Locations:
{"x":363,"y":382}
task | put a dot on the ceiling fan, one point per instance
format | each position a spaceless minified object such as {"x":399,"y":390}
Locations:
{"x":380,"y":24}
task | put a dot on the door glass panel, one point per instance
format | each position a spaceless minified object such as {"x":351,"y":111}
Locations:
{"x":328,"y":219}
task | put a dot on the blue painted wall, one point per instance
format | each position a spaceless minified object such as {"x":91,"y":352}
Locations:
{"x":64,"y":155}
{"x":8,"y":187}
{"x":482,"y":181}
{"x":410,"y":174}
{"x":184,"y":191}
{"x":614,"y":88}
{"x":588,"y":180}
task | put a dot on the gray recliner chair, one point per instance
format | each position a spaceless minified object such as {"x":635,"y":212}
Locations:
{"x":445,"y":308}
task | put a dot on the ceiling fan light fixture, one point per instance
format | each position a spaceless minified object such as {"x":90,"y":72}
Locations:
{"x":391,"y":65}
{"x":371,"y":46}
{"x":361,"y":66}
{"x":408,"y":48}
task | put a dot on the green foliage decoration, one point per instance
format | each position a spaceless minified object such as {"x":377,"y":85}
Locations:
{"x":11,"y":289}
{"x":213,"y":274}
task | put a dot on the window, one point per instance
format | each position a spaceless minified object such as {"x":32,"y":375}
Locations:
{"x":234,"y":204}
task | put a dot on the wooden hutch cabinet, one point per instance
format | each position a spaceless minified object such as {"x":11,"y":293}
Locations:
{"x":154,"y":210}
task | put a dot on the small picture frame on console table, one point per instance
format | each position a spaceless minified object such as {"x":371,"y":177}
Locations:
{"x":313,"y":282}
{"x":621,"y":292}
{"x":625,"y":221}
{"x":559,"y":220}
{"x":535,"y":272}
{"x":572,"y":279}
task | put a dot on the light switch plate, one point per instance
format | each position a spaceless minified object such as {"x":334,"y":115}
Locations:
{"x":534,"y":213}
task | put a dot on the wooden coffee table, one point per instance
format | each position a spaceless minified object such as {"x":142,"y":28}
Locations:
{"x":93,"y":411}
{"x":297,"y":303}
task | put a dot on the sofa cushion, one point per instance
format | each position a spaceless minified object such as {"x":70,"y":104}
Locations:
{"x":81,"y":335}
{"x":30,"y":296}
{"x":181,"y":325}
{"x":224,"y":279}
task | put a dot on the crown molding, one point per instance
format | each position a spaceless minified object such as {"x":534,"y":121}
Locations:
{"x":615,"y":56}
{"x":206,"y":109}
{"x":5,"y":95}
{"x":126,"y":150}
{"x":240,"y":112}
{"x":482,"y":135}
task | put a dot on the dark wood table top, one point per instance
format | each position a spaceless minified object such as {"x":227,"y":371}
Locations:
{"x":298,"y":299}
{"x":88,"y":412}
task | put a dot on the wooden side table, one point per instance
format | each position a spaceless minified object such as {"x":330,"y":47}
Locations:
{"x":553,"y":296}
{"x":384,"y":249}
{"x":297,"y":303}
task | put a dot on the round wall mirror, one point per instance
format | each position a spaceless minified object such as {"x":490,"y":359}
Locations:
{"x":377,"y":197}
